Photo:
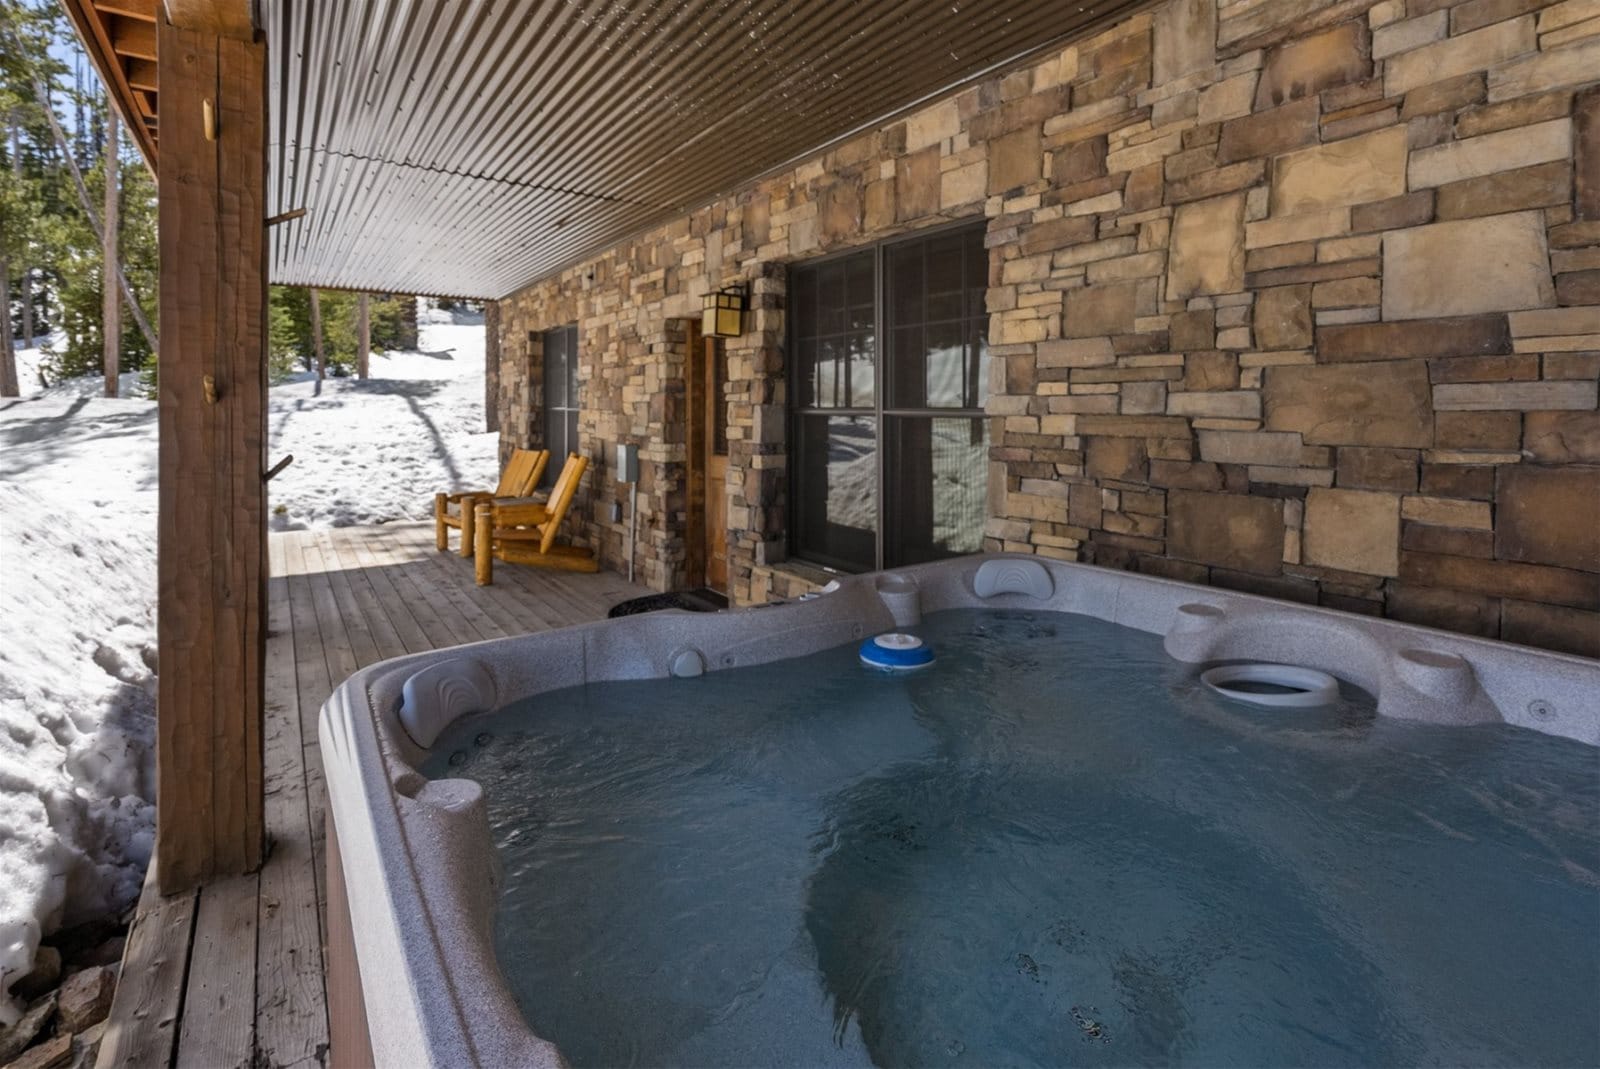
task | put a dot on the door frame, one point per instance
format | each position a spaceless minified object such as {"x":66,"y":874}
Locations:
{"x":700,"y":420}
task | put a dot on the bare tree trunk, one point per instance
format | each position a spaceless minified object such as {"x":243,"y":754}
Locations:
{"x":316,"y":335}
{"x":8,"y":349}
{"x":25,"y":291}
{"x":111,"y":303}
{"x":364,"y":341}
{"x":42,"y":95}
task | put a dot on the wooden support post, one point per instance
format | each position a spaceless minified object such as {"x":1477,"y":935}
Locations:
{"x":491,"y":365}
{"x":441,"y":530}
{"x":213,"y":532}
{"x":363,"y":336}
{"x":483,"y":555}
{"x":316,"y":335}
{"x":110,"y":298}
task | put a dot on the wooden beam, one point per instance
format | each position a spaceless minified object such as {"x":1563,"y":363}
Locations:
{"x":212,"y":524}
{"x":130,"y":37}
{"x":92,"y":23}
{"x":142,"y":74}
{"x":223,"y":18}
{"x":144,"y":10}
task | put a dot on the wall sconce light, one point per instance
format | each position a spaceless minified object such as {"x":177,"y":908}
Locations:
{"x":723,"y":316}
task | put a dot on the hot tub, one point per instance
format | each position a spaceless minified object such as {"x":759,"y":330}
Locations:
{"x":415,"y":877}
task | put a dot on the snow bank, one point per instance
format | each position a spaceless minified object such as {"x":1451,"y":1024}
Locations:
{"x":77,"y":595}
{"x":77,"y":656}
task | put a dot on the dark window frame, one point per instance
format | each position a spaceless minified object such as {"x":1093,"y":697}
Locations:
{"x":882,"y":411}
{"x":570,"y":404}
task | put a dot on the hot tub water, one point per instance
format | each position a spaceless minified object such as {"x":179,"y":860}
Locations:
{"x":1054,"y":846}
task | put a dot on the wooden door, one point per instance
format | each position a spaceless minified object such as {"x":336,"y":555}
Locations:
{"x":715,"y":443}
{"x":707,"y":535}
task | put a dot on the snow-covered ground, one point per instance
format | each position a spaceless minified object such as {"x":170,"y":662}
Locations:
{"x":77,"y":594}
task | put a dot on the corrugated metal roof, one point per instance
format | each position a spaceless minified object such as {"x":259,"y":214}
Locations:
{"x":470,"y":147}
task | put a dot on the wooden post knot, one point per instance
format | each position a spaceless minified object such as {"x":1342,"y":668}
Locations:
{"x":209,"y":385}
{"x":209,"y":115}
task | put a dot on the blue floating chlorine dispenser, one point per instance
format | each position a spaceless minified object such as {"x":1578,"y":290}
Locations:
{"x":896,"y":652}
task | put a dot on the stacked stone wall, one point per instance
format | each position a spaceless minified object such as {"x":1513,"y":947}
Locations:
{"x":1295,"y":298}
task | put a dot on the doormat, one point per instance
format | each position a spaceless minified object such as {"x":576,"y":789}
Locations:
{"x":701,"y":600}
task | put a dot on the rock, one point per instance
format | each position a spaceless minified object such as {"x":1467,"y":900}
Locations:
{"x":1586,"y":153}
{"x":1479,"y":50}
{"x":1283,"y":317}
{"x":1573,"y":394}
{"x":1353,"y":171}
{"x":107,"y":953}
{"x":839,"y":210}
{"x":1268,"y":133}
{"x":1493,"y":431}
{"x":1116,"y":458}
{"x":14,"y":1040}
{"x":1460,"y":336}
{"x":1552,"y":627}
{"x":1185,"y":34}
{"x":1207,"y":250}
{"x":1307,"y":66}
{"x":1230,"y":530}
{"x":1015,"y":160}
{"x":53,"y":1052}
{"x":1377,"y":469}
{"x":86,"y":997}
{"x":964,"y":185}
{"x":1494,"y":264}
{"x":1548,"y":516}
{"x":1262,"y":448}
{"x":1352,"y":530}
{"x":43,"y":977}
{"x":86,"y":1046}
{"x":1522,"y":146}
{"x":1503,"y":578}
{"x":1413,"y":209}
{"x":1452,"y":610}
{"x":1384,"y":404}
{"x":1096,"y":310}
{"x":1562,"y":437}
{"x":1542,"y":71}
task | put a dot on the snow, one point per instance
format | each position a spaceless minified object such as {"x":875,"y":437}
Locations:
{"x":77,"y":594}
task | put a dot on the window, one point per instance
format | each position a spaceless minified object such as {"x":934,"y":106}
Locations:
{"x":890,"y":456}
{"x":560,"y":398}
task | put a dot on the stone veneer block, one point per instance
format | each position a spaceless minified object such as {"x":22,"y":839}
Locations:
{"x":1463,"y":54}
{"x":1352,"y":530}
{"x":1288,"y":229}
{"x":1222,"y":404}
{"x":1474,"y":157}
{"x":1563,"y":437}
{"x":1283,"y":317}
{"x":1097,"y":310}
{"x":1307,"y":66}
{"x":1547,"y":322}
{"x":1381,"y":404}
{"x":1543,"y":71}
{"x":1371,"y":167}
{"x":1549,"y":516}
{"x":1265,"y":448}
{"x":1514,"y":396}
{"x":1267,"y":133}
{"x":1459,"y":336}
{"x":1207,"y":248}
{"x":1227,"y":530}
{"x":1494,"y":264}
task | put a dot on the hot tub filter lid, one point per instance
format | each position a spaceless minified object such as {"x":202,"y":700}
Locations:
{"x":897,"y":651}
{"x":1301,"y":687}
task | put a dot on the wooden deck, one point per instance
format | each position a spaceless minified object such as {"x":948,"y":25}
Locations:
{"x":232,"y":975}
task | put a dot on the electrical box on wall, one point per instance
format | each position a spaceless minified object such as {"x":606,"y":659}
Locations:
{"x":627,"y":463}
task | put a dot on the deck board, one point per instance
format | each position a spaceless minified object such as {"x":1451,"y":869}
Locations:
{"x":232,"y":974}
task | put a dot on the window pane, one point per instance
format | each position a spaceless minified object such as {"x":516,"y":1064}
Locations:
{"x":946,"y":259}
{"x":936,"y":488}
{"x":571,"y":351}
{"x":837,"y":483}
{"x":936,"y":294}
{"x":947,"y":366}
{"x":863,"y":369}
{"x":904,"y":284}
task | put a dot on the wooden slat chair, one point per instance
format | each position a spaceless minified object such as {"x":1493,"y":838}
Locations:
{"x":526,"y":534}
{"x":521,"y":475}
